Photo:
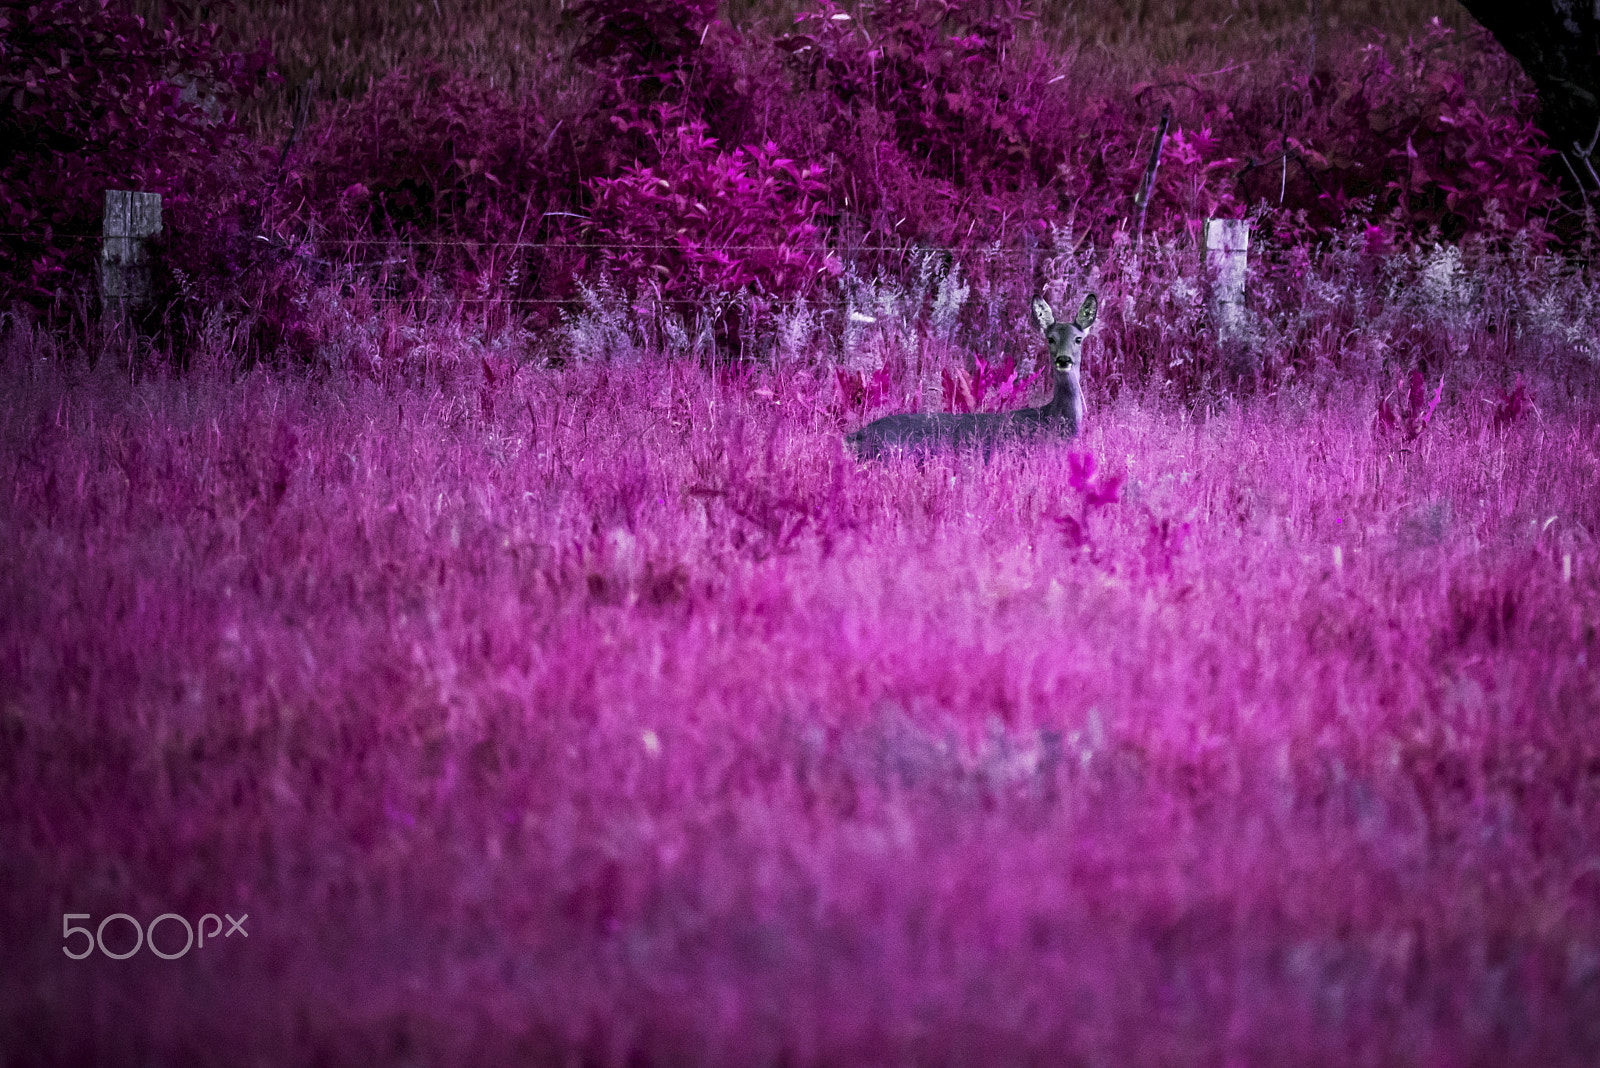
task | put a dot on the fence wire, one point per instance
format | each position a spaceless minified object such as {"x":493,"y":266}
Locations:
{"x":400,"y":242}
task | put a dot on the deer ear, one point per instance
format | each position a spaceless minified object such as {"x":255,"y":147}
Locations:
{"x":1042,"y":313}
{"x":1087,"y":313}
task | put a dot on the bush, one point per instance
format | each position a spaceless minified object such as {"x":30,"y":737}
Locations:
{"x":1431,"y":146}
{"x":434,"y":175}
{"x":929,"y":124}
{"x":711,"y":168}
{"x":704,"y":226}
{"x":98,"y":98}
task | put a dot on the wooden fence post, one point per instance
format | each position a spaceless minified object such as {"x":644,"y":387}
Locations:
{"x":130,"y":219}
{"x":1227,"y":252}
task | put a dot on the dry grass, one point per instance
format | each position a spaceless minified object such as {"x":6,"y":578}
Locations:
{"x":347,"y":46}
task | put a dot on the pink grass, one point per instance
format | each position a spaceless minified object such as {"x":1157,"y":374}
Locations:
{"x":636,"y":724}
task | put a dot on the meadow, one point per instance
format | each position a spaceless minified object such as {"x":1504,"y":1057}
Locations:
{"x":616,"y":715}
{"x":510,"y":642}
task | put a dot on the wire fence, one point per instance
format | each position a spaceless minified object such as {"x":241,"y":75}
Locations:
{"x":361,"y":242}
{"x":312,"y":247}
{"x":406,"y":251}
{"x":308,"y":246}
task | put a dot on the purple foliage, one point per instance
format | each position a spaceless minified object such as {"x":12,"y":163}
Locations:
{"x":1410,"y":415}
{"x":1512,"y":404}
{"x":623,"y":719}
{"x":642,"y":37}
{"x":716,"y":168}
{"x":992,"y":385}
{"x":436,"y":177}
{"x":605,"y":711}
{"x":719,"y":167}
{"x":704,"y":227}
{"x":929,"y":130}
{"x":1436,"y":142}
{"x":97,"y":98}
{"x":864,"y":392}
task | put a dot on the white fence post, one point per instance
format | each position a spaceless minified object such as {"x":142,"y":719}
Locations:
{"x":1227,"y":253}
{"x":130,"y":219}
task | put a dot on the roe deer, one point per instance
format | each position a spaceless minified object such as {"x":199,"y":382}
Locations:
{"x":920,"y":432}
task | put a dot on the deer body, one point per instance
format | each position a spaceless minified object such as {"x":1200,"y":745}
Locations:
{"x":921,"y":433}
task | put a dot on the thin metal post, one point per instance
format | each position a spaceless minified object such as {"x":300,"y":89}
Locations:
{"x":1141,"y":199}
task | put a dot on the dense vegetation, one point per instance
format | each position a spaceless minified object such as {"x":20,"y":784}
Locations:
{"x":719,"y":171}
{"x":458,"y":568}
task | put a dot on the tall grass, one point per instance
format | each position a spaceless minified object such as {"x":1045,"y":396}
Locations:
{"x":613,"y":715}
{"x":557,"y":689}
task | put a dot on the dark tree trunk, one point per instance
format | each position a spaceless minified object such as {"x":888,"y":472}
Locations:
{"x":1557,"y":42}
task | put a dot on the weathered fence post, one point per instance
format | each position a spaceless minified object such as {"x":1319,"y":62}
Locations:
{"x":130,"y":220}
{"x":1227,"y":252}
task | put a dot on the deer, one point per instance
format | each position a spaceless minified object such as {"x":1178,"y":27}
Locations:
{"x":921,"y":433}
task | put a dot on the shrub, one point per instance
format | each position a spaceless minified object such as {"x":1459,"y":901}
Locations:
{"x":98,"y":98}
{"x":645,"y":53}
{"x":926,"y":118}
{"x":645,"y":41}
{"x":1433,"y":145}
{"x":720,"y":170}
{"x":704,"y":225}
{"x":992,"y":385}
{"x":434,"y":159}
